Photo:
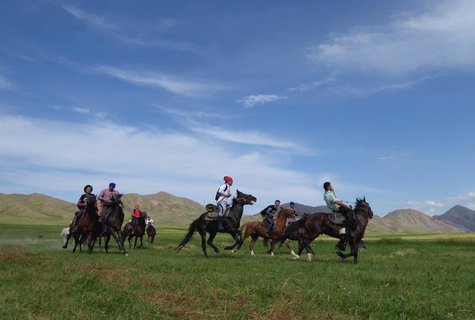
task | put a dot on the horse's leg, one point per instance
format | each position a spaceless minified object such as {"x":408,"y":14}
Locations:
{"x":237,"y":240}
{"x":90,"y":242}
{"x":106,"y":243}
{"x":210,"y":242}
{"x":254,"y":238}
{"x":202,"y":233}
{"x":76,"y":242}
{"x":287,"y":244}
{"x":67,"y":240}
{"x":141,"y":241}
{"x":130,"y":243}
{"x":116,"y":236}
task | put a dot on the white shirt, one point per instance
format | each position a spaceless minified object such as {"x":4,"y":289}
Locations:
{"x":224,"y":192}
{"x":149,"y":221}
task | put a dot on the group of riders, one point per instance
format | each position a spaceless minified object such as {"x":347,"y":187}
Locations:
{"x":103,"y":211}
{"x":224,"y":199}
{"x":340,"y":211}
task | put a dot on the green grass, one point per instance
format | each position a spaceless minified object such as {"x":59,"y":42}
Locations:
{"x":398,"y":277}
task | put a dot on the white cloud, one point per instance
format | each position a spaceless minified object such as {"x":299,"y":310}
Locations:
{"x":252,"y":100}
{"x":437,"y":39}
{"x":58,"y":158}
{"x":255,"y":138}
{"x":5,"y":84}
{"x":163,"y":81}
{"x":89,"y":18}
{"x":81,"y":110}
{"x":315,"y":84}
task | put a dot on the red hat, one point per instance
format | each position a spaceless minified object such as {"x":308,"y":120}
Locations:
{"x":228,"y":179}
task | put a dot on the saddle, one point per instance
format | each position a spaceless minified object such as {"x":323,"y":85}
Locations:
{"x":212,"y":212}
{"x":337,"y":218}
{"x":265,"y":223}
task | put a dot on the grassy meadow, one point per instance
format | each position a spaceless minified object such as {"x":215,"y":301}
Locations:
{"x":398,"y":277}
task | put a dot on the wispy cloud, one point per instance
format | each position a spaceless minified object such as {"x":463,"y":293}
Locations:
{"x":81,"y":110}
{"x":252,"y":100}
{"x":255,"y":138}
{"x":193,"y":115}
{"x":142,"y":160}
{"x":89,"y":18}
{"x":6,"y":84}
{"x":315,"y":84}
{"x":437,"y":39}
{"x":171,"y":84}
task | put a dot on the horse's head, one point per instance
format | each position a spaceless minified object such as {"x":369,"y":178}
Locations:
{"x":144,"y":215}
{"x":363,"y":206}
{"x":115,"y":199}
{"x":287,"y":213}
{"x":245,"y":198}
{"x":90,"y":201}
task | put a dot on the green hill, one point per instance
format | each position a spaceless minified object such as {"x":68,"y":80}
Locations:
{"x":35,"y":209}
{"x":164,"y":208}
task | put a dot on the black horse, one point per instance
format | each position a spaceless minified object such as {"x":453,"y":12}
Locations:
{"x":113,"y":225}
{"x":151,"y":232}
{"x":311,"y":226}
{"x":231,"y":223}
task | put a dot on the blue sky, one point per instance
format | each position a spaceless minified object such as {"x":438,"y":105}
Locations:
{"x":375,"y":96}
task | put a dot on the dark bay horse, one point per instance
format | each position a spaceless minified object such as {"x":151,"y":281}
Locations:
{"x":231,"y":223}
{"x":115,"y":217}
{"x":151,"y":232}
{"x":311,"y":226}
{"x":87,"y":227}
{"x":255,"y":229}
{"x":136,"y":231}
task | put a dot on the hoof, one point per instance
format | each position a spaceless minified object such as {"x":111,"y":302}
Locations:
{"x":309,"y":257}
{"x":296,"y":258}
{"x":253,"y":254}
{"x":272,"y":254}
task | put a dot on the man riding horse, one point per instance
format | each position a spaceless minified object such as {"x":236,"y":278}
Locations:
{"x":105,"y":198}
{"x":338,"y":207}
{"x":224,"y":199}
{"x":82,"y":205}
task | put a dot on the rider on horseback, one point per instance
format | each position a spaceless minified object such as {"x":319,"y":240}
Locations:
{"x":82,"y":203}
{"x":224,"y":199}
{"x":136,"y":215}
{"x":269,"y":213}
{"x":338,"y":207}
{"x":104,"y":197}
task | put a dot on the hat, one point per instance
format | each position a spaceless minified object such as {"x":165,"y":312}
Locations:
{"x":112,"y":184}
{"x":88,"y":186}
{"x":228,"y":179}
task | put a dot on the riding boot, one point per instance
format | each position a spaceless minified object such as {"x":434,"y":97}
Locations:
{"x":220,"y":222}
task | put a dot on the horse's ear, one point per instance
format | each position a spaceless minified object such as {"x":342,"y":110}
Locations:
{"x":364,"y":199}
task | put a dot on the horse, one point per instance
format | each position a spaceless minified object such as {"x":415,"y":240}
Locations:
{"x":231,"y":222}
{"x":311,"y":226}
{"x":64,"y":234}
{"x":87,"y":227}
{"x":135,"y":231}
{"x":113,"y":225}
{"x":256,"y":229}
{"x":151,"y":232}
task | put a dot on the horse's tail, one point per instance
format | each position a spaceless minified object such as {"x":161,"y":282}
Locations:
{"x":291,"y":229}
{"x":191,"y":230}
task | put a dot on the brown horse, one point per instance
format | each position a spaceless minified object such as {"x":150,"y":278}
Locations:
{"x":231,"y":223}
{"x":136,"y":231}
{"x":311,"y":226}
{"x":256,"y":229}
{"x":151,"y":232}
{"x":87,"y":227}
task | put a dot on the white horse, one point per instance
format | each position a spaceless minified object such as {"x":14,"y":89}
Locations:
{"x":64,"y":234}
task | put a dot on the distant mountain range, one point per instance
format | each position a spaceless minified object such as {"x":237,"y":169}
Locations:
{"x":171,"y":211}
